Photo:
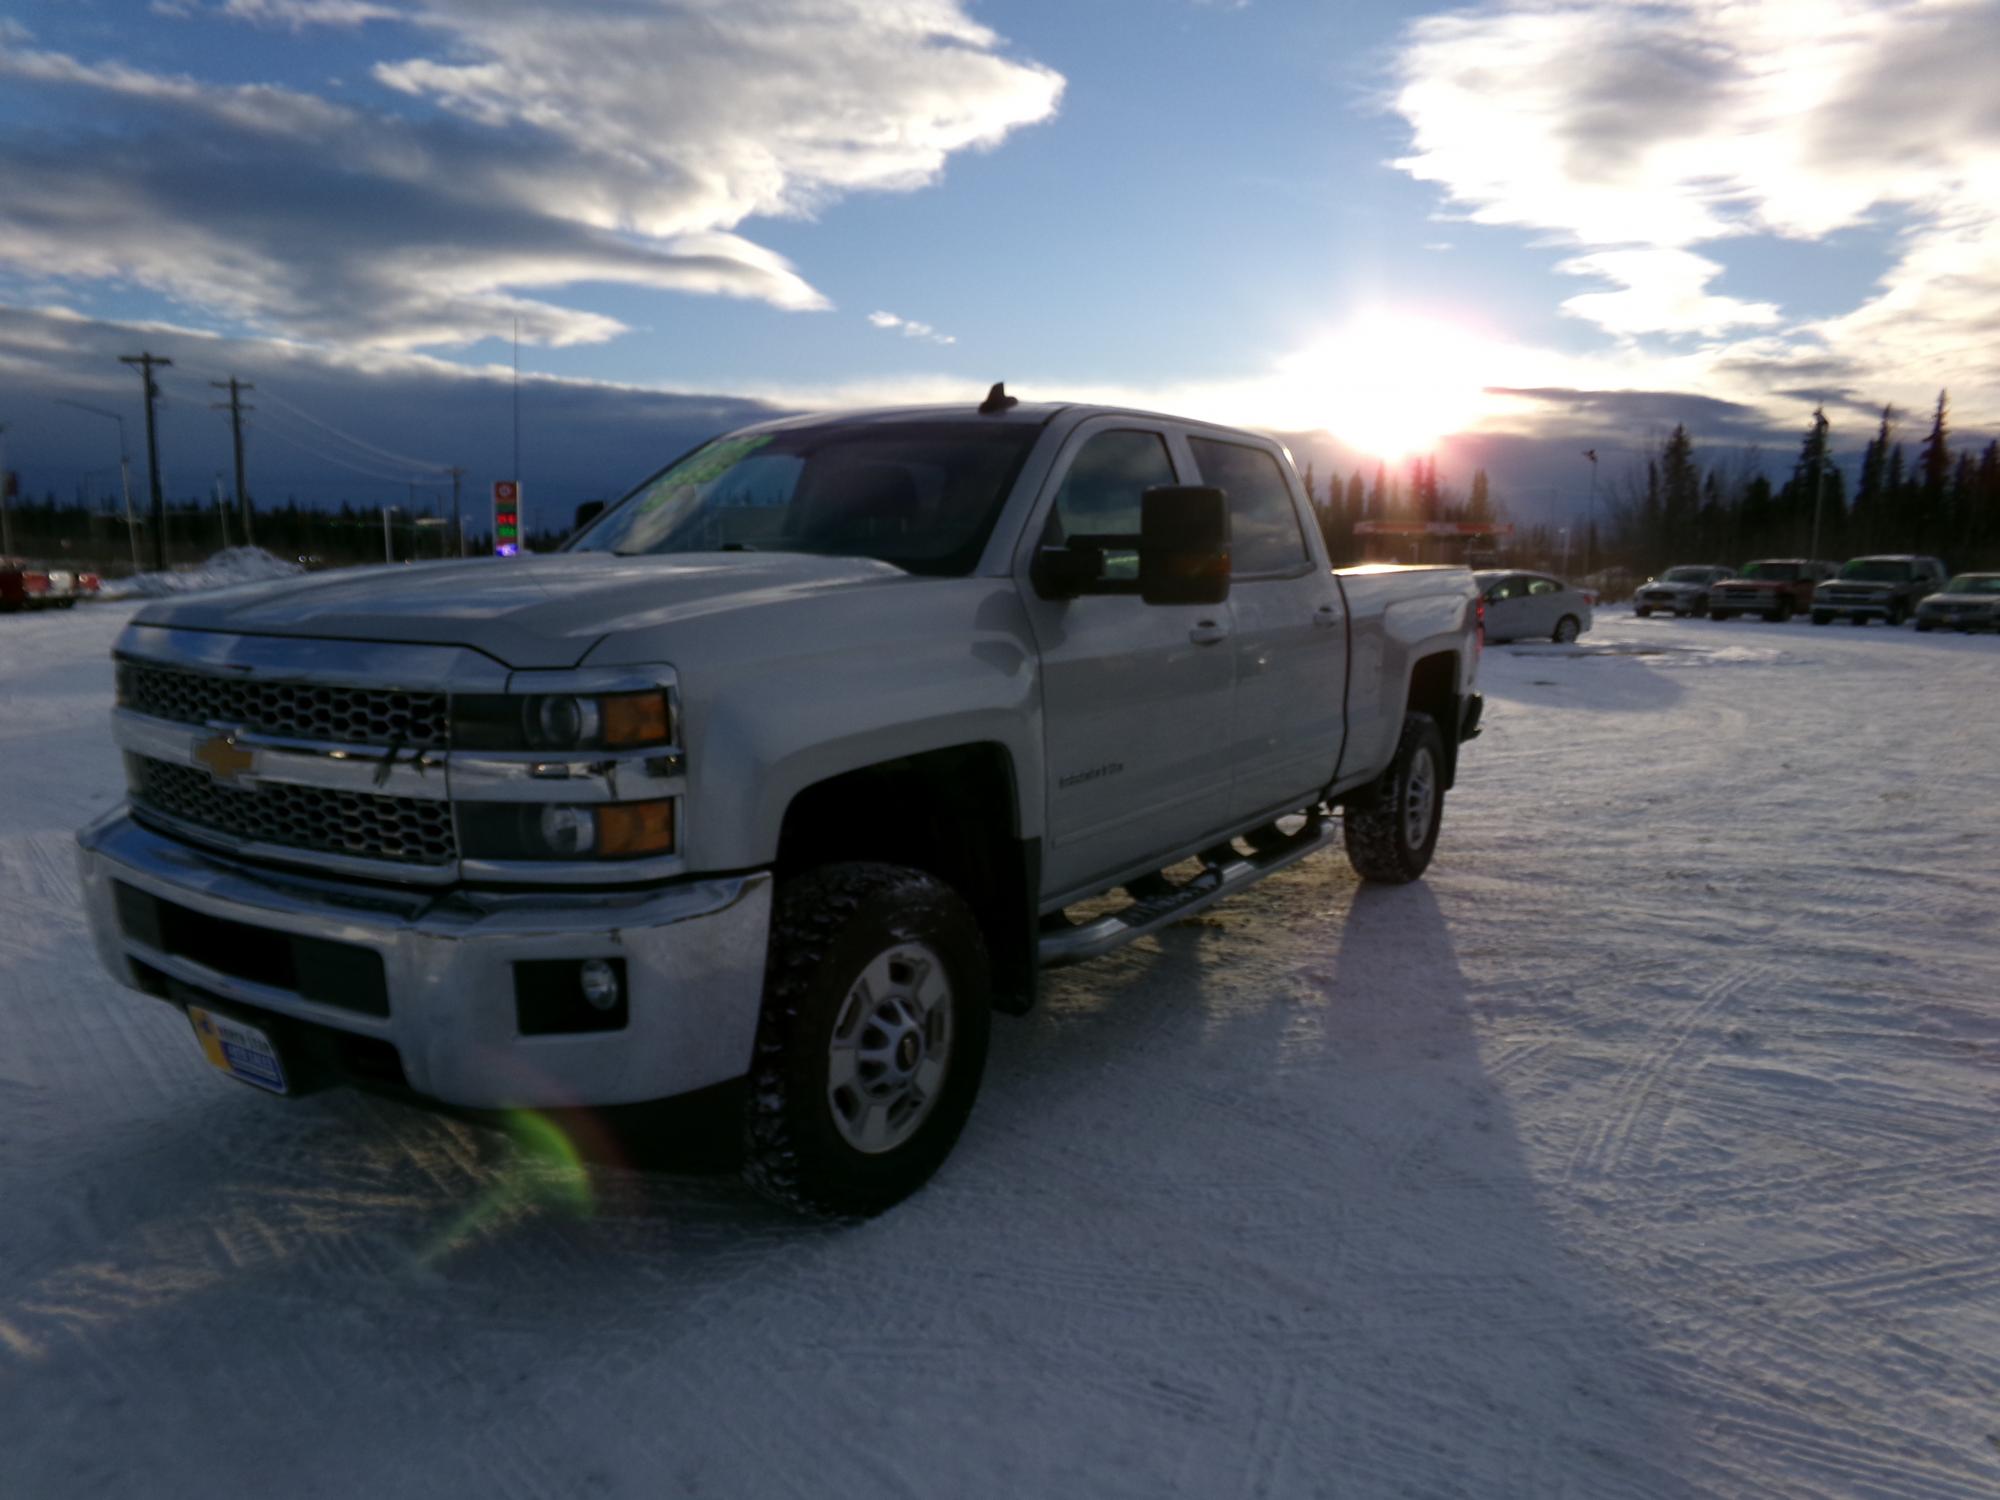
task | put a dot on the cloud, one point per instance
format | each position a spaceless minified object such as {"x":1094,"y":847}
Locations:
{"x":911,"y":330}
{"x":609,"y":141}
{"x":1641,"y":132}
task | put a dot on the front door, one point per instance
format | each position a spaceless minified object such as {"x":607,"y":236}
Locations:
{"x":1135,"y":696}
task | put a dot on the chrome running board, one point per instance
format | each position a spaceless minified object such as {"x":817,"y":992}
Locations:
{"x":1064,"y":942}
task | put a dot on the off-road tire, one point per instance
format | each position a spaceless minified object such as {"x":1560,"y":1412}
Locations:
{"x":827,"y":925}
{"x":1374,"y":821}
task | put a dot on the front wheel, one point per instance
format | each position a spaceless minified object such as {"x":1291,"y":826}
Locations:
{"x":1720,"y":614}
{"x":1392,"y":825}
{"x":1568,"y":628}
{"x":1821,"y":617}
{"x":871,"y":1042}
{"x":1923,"y":627}
{"x":1642,"y":613}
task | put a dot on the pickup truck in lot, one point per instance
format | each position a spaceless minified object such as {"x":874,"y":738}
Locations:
{"x":785,"y":773}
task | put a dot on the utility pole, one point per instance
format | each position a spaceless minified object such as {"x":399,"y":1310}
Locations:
{"x":388,"y":546}
{"x":1590,"y":511}
{"x":457,"y":525}
{"x":1819,"y":474}
{"x":235,"y":407}
{"x":222,"y":510}
{"x":145,"y":362}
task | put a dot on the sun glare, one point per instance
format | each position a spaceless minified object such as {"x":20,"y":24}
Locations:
{"x":1393,"y":386}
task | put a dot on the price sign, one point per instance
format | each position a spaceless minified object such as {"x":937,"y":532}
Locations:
{"x":506,"y":518}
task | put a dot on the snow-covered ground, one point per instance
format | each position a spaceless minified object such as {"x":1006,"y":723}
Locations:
{"x":1646,"y":1147}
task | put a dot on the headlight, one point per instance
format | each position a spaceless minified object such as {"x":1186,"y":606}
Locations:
{"x":560,"y":721}
{"x":538,"y":830}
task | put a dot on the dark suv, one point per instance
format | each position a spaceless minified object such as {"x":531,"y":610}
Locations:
{"x":1886,"y":588}
{"x":1775,"y":587}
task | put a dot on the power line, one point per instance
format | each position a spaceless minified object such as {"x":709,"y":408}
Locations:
{"x":293,"y":440}
{"x":422,"y":464}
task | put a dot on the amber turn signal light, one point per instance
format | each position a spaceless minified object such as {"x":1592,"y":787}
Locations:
{"x":629,"y":829}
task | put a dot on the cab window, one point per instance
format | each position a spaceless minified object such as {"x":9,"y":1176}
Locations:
{"x":1264,"y":535}
{"x":1100,"y":495}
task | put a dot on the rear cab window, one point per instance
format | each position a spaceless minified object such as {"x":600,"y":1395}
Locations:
{"x":1265,"y":539}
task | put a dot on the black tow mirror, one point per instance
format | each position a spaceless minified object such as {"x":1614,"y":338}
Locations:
{"x":1065,"y":572}
{"x":587,"y":512}
{"x":1184,"y":544}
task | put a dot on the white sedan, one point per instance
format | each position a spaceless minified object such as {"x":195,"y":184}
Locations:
{"x":1522,"y":606}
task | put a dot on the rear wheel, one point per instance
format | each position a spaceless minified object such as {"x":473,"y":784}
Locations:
{"x":1392,"y":826}
{"x":1641,"y":613}
{"x":872,"y":1039}
{"x":1568,"y":628}
{"x":1821,"y":617}
{"x":1721,"y":614}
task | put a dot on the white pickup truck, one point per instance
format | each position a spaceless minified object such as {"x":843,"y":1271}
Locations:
{"x":782,"y":775}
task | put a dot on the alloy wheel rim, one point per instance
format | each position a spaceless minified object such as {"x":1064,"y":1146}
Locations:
{"x":1419,"y":798}
{"x":890,"y":1051}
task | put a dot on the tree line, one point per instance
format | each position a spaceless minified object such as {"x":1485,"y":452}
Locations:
{"x":1675,"y":507}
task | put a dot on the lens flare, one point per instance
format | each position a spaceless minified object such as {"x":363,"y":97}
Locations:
{"x":547,"y":1173}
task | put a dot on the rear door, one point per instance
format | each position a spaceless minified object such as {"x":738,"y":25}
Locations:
{"x":1290,"y":642}
{"x":1135,"y":696}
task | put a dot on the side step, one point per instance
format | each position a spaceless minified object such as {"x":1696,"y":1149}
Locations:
{"x":1063,"y":942}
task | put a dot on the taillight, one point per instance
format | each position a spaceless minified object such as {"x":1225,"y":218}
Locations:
{"x":1479,"y":618}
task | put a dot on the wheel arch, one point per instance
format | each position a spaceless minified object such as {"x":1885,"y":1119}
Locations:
{"x":954,"y":813}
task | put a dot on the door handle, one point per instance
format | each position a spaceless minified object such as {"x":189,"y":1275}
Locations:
{"x":1327,"y":615}
{"x":1207,"y":633}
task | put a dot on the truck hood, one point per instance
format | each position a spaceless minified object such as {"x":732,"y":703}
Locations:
{"x":525,"y":611}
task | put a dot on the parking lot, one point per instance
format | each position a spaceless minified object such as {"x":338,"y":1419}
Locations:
{"x":1645,"y":1147}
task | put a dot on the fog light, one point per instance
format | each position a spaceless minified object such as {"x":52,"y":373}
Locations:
{"x":599,"y":982}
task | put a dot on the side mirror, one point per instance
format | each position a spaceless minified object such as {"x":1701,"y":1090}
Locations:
{"x":1066,"y":572}
{"x":587,"y":512}
{"x":1184,"y":544}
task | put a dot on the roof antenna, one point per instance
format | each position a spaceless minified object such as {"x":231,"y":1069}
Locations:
{"x":997,"y":400}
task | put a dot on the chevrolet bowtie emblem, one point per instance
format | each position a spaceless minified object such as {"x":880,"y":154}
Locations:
{"x":223,"y":758}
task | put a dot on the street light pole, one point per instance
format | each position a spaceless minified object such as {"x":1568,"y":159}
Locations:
{"x":124,"y":470}
{"x":6,"y":514}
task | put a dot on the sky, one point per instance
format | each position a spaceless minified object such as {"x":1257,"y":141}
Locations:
{"x":1500,"y":232}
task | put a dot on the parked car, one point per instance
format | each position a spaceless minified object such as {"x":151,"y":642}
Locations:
{"x":40,"y":585}
{"x":1682,"y":590}
{"x":1970,"y":601}
{"x":788,"y":769}
{"x":1521,"y":606}
{"x":1775,"y":587}
{"x":1886,"y":588}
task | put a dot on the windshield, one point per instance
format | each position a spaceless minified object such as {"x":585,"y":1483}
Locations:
{"x":922,"y":496}
{"x":1974,"y":583}
{"x":1781,"y":572}
{"x":1688,"y":575}
{"x":1876,"y":570}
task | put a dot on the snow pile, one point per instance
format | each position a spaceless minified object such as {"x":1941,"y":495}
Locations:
{"x":232,"y":565}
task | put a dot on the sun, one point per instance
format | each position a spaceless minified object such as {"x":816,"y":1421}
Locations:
{"x":1392,"y":385}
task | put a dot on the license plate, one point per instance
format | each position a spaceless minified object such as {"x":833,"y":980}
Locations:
{"x":240,"y":1051}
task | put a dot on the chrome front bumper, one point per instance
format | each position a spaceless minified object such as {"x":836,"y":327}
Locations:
{"x":693,"y":952}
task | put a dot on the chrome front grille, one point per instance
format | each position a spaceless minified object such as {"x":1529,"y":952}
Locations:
{"x":322,"y":819}
{"x":294,"y":710}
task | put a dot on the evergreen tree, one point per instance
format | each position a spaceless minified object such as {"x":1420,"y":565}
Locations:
{"x":1479,"y":508}
{"x":1378,"y":494}
{"x":1933,"y":477}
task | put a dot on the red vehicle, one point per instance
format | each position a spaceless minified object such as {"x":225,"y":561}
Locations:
{"x":1775,"y":587}
{"x":34,"y":585}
